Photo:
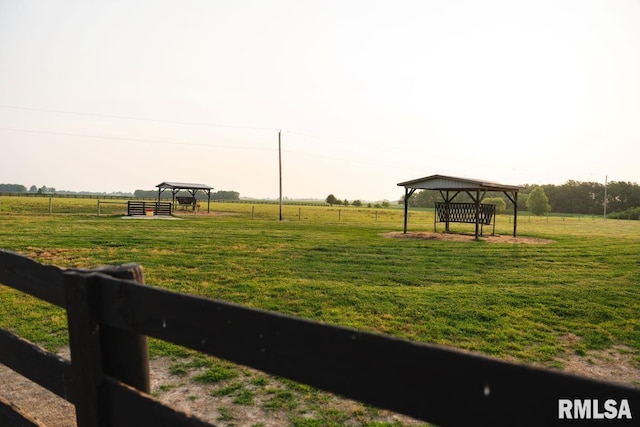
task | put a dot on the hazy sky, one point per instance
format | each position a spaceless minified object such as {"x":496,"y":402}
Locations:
{"x":122,"y":95}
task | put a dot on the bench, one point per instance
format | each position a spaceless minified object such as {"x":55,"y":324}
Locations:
{"x":186,"y":201}
{"x":464,"y":212}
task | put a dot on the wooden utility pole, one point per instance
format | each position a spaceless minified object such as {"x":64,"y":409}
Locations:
{"x":280,"y":167}
{"x":606,"y":179}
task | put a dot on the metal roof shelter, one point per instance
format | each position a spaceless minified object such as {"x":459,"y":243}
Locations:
{"x":175,"y":187}
{"x":447,"y":184}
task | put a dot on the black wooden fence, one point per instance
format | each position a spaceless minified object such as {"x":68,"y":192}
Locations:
{"x":110,"y":317}
{"x":141,"y":208}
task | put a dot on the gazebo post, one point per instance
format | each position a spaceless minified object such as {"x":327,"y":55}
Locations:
{"x":515,"y":213}
{"x":447,"y":212}
{"x":407,"y":194}
{"x":477,"y":212}
{"x":406,"y":208}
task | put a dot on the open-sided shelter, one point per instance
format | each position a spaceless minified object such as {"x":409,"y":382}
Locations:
{"x":449,"y":187}
{"x":175,"y":187}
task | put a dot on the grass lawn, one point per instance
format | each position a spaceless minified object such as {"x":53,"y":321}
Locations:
{"x":526,"y":302}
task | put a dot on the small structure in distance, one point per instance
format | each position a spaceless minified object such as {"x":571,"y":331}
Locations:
{"x":476,"y":189}
{"x":175,"y":187}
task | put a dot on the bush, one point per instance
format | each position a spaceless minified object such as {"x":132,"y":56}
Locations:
{"x":632,"y":213}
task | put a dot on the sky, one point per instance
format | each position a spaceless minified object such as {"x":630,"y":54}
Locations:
{"x":123,"y":95}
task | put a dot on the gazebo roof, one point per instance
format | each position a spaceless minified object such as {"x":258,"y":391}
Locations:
{"x":442,"y":182}
{"x":184,"y":186}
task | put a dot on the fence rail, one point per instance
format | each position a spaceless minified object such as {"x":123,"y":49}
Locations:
{"x":432,"y":383}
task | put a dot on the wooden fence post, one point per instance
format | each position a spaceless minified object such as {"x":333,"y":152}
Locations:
{"x":96,"y":349}
{"x":84,"y":340}
{"x":125,"y":355}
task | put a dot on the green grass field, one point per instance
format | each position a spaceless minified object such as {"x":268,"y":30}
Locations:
{"x":515,"y":301}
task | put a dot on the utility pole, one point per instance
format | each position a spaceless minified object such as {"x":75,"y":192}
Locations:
{"x":605,"y":196}
{"x":280,"y":167}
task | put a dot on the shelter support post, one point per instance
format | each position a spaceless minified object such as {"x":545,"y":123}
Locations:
{"x":477,"y":212}
{"x":514,"y":200}
{"x":447,"y":209}
{"x":407,"y":193}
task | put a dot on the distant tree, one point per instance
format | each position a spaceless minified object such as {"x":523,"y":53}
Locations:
{"x":33,"y":189}
{"x":386,"y":204}
{"x":346,"y":202}
{"x":332,"y":200}
{"x":501,"y":206}
{"x":12,"y":188}
{"x":357,"y":203}
{"x":225,"y":195}
{"x":537,"y":202}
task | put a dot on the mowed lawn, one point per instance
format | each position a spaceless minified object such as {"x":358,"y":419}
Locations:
{"x":528,"y":302}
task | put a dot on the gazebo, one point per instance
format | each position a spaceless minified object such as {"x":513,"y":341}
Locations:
{"x":175,"y":187}
{"x":449,"y":187}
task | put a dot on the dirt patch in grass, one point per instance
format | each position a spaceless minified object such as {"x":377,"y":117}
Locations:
{"x":618,"y":364}
{"x":191,"y":214}
{"x":456,"y":237}
{"x":251,"y":398}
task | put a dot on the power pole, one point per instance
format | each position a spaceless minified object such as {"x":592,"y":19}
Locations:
{"x":280,"y":167}
{"x":605,"y":196}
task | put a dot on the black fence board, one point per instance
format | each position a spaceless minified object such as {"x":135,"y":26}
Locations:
{"x":12,"y":416}
{"x":436,"y":384}
{"x":35,"y":363}
{"x":31,"y":277}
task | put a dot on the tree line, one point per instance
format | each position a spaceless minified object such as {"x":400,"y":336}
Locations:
{"x":571,"y":197}
{"x":145,"y":194}
{"x":19,"y":188}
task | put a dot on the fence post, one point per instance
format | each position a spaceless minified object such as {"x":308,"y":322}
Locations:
{"x":50,"y":205}
{"x":84,"y":340}
{"x":125,"y":355}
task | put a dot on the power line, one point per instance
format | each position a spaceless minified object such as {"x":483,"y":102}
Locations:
{"x":119,"y":138}
{"x":113,"y":116}
{"x":128,"y":139}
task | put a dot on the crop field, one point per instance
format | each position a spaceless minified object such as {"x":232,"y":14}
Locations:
{"x":573,"y":297}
